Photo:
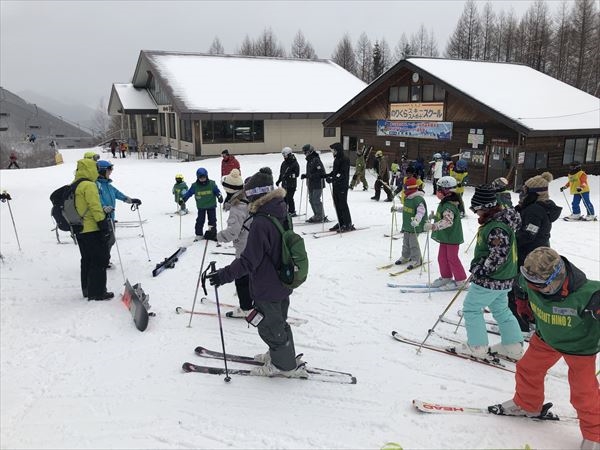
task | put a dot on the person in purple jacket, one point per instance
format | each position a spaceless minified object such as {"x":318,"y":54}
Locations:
{"x":260,"y":261}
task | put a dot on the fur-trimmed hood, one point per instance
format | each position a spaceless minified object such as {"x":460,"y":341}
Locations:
{"x":278,"y":193}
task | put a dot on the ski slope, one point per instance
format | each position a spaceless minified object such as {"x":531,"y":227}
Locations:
{"x":78,"y":374}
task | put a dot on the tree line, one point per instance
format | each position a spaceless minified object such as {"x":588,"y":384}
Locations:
{"x":564,"y":44}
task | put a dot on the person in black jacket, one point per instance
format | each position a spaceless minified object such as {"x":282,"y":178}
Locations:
{"x":537,"y":214}
{"x":288,"y":173}
{"x":315,"y":173}
{"x":339,"y":178}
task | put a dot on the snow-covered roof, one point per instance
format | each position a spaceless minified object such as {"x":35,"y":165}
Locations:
{"x":241,"y":84}
{"x":524,"y":95}
{"x":133,"y":98}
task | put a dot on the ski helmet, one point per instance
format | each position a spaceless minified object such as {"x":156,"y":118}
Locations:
{"x":575,"y":166}
{"x":201,"y":172}
{"x":286,"y":151}
{"x":103,"y":165}
{"x":378,"y":154}
{"x":178,"y":177}
{"x":461,"y":165}
{"x":437,"y":156}
{"x":447,"y":182}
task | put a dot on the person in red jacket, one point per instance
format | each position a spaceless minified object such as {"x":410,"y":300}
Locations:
{"x":228,"y":163}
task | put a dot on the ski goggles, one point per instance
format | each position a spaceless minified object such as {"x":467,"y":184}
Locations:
{"x":540,"y":282}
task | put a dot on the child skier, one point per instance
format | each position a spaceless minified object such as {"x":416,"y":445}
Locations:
{"x":566,"y":306}
{"x":459,"y":172}
{"x":493,"y":269}
{"x":447,"y":230}
{"x":414,"y":216}
{"x":580,"y":190}
{"x":238,"y":225}
{"x":206,"y":193}
{"x":180,"y":188}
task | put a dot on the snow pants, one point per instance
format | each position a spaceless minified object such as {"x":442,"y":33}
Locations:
{"x":340,"y":201}
{"x":379,"y":184}
{"x":94,"y":260}
{"x":276,"y":333}
{"x":314,"y":198}
{"x":478,"y":298}
{"x":212,"y":220}
{"x":242,"y":287}
{"x":410,"y":248}
{"x":585,"y":196}
{"x":359,"y":176}
{"x":585,"y":392}
{"x":289,"y":199}
{"x":449,"y":262}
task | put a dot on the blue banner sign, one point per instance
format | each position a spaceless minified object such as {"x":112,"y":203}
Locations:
{"x":441,"y":131}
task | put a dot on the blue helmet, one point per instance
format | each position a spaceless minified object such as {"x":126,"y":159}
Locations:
{"x":461,"y":164}
{"x":201,"y":172}
{"x":103,"y":165}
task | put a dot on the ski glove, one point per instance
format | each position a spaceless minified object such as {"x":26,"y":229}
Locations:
{"x":108,"y":209}
{"x":428,"y":226}
{"x":215,"y":279}
{"x":220,"y":198}
{"x":210,"y":235}
{"x":136,"y":201}
{"x":303,"y":176}
{"x":414,"y":223}
{"x":579,"y":190}
{"x":5,"y":196}
{"x":181,"y":202}
{"x":593,"y":307}
{"x":562,"y":188}
{"x":328,"y":179}
{"x":524,"y":310}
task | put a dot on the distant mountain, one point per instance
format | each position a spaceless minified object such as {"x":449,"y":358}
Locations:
{"x":75,"y":113}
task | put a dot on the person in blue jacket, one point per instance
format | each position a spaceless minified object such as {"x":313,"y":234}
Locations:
{"x":109,"y":196}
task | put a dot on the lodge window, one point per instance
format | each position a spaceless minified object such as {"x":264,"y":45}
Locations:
{"x":185,"y":128}
{"x":581,"y":149}
{"x":418,"y":93}
{"x":232,"y":131}
{"x":150,"y":125}
{"x":536,"y":160}
{"x":440,"y":94}
{"x":161,"y":122}
{"x":428,"y":92}
{"x":172,"y":130}
{"x":415,"y":93}
{"x":329,"y":132}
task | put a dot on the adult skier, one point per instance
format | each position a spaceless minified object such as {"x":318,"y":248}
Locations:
{"x":339,"y":177}
{"x":383,"y":177}
{"x":359,"y":171}
{"x":288,"y":176}
{"x":315,"y":174}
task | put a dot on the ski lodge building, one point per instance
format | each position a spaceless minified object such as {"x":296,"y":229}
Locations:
{"x":201,"y":104}
{"x":505,"y":120}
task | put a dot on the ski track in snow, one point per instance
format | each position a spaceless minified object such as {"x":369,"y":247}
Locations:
{"x":77,"y":374}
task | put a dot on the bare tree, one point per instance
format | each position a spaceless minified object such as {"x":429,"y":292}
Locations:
{"x":101,"y":119}
{"x":344,"y":55}
{"x":216,"y":48}
{"x":301,"y":48}
{"x":247,"y":47}
{"x":403,"y":49}
{"x":583,"y":23}
{"x":419,"y":41}
{"x":364,"y":58}
{"x":266,"y":44}
{"x":559,"y":51}
{"x":386,"y":54}
{"x":464,"y":41}
{"x":488,"y":28}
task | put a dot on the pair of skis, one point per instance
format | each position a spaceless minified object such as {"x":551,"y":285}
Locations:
{"x":327,"y":233}
{"x":314,"y":373}
{"x":179,"y":310}
{"x":168,"y":263}
{"x":420,"y":288}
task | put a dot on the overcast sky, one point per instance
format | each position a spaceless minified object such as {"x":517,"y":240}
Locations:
{"x":74,"y":50}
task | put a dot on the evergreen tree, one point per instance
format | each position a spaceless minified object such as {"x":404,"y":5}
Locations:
{"x":247,"y":47}
{"x":377,"y":60}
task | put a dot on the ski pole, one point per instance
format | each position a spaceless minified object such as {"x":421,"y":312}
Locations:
{"x":301,"y":193}
{"x":179,"y":211}
{"x":432,"y":329}
{"x":336,"y":211}
{"x":221,"y":215}
{"x":212,"y":268}
{"x":198,"y":283}
{"x":13,"y":222}
{"x":134,"y":206}
{"x":470,"y":243}
{"x":112,"y":227}
{"x":323,"y":210}
{"x":429,"y":271}
{"x":392,"y":227}
{"x":567,"y":201}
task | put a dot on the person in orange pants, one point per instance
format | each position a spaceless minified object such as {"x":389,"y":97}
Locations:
{"x":566,"y":307}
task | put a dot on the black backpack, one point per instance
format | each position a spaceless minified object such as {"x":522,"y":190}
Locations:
{"x":63,"y":210}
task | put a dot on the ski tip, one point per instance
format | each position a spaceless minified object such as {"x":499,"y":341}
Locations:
{"x":353,"y":380}
{"x":178,"y":309}
{"x":394,"y":333}
{"x":199,"y":349}
{"x":186,"y":367}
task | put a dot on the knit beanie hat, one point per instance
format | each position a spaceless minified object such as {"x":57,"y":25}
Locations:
{"x":410,"y":186}
{"x":259,"y":184}
{"x":233,"y":182}
{"x":500,"y":184}
{"x":542,"y":265}
{"x":225,"y":152}
{"x":539,"y":185}
{"x":337,"y":147}
{"x":484,"y":198}
{"x":307,"y":148}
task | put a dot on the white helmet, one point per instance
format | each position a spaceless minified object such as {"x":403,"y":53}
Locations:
{"x":437,"y":156}
{"x":286,"y":151}
{"x":447,"y":182}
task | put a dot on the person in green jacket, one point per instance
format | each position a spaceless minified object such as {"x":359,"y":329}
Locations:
{"x":93,"y":237}
{"x":414,"y":216}
{"x":566,"y":306}
{"x":206,"y":193}
{"x":359,"y":172}
{"x":180,"y":188}
{"x":447,"y":230}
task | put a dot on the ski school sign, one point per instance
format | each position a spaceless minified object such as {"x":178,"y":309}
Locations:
{"x":441,"y":131}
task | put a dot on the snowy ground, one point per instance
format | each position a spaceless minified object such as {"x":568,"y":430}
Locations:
{"x":77,"y":374}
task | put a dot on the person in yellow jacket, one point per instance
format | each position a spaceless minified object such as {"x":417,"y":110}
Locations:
{"x":94,"y":232}
{"x":580,"y":190}
{"x":459,"y":172}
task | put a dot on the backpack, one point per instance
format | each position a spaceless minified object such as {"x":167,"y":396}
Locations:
{"x":63,"y":210}
{"x":294,"y":259}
